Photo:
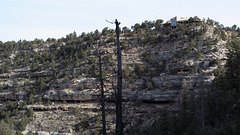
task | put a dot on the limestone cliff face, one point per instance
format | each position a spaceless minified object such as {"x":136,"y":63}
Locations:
{"x":157,"y":70}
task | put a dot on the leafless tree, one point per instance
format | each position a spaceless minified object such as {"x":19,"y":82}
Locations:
{"x":99,"y":54}
{"x":119,"y":124}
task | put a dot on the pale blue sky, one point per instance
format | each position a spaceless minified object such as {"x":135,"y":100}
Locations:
{"x":30,"y":19}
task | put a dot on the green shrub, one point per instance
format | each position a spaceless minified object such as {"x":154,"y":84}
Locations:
{"x":160,"y":38}
{"x":124,"y":46}
{"x":216,"y":41}
{"x":4,"y":69}
{"x":80,"y":88}
{"x":195,"y":69}
{"x":193,"y":44}
{"x":223,"y":35}
{"x":21,"y":125}
{"x":147,"y":85}
{"x":85,"y":124}
{"x":198,"y":52}
{"x":132,"y":77}
{"x":184,"y":58}
{"x":209,"y":47}
{"x":31,"y":99}
{"x":111,"y":39}
{"x":187,"y":50}
{"x":215,"y":49}
{"x":139,"y":69}
{"x":125,"y":73}
{"x":19,"y":132}
{"x":175,"y":60}
{"x":30,"y":112}
{"x":76,"y":111}
{"x":5,"y":128}
{"x":82,"y":126}
{"x":167,"y":31}
{"x":216,"y":31}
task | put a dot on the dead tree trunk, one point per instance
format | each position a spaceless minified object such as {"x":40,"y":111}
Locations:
{"x":119,"y":125}
{"x":102,"y":97}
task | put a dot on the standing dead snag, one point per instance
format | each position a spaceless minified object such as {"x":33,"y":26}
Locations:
{"x":102,"y":97}
{"x":99,"y":54}
{"x":119,"y":124}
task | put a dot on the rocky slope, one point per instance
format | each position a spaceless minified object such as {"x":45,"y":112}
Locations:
{"x":59,"y":80}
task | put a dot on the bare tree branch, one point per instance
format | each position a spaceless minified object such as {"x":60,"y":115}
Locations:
{"x":109,"y":21}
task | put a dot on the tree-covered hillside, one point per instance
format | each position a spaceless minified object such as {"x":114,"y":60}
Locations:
{"x":176,"y":80}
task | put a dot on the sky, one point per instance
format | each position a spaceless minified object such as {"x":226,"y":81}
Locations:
{"x":42,"y":19}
